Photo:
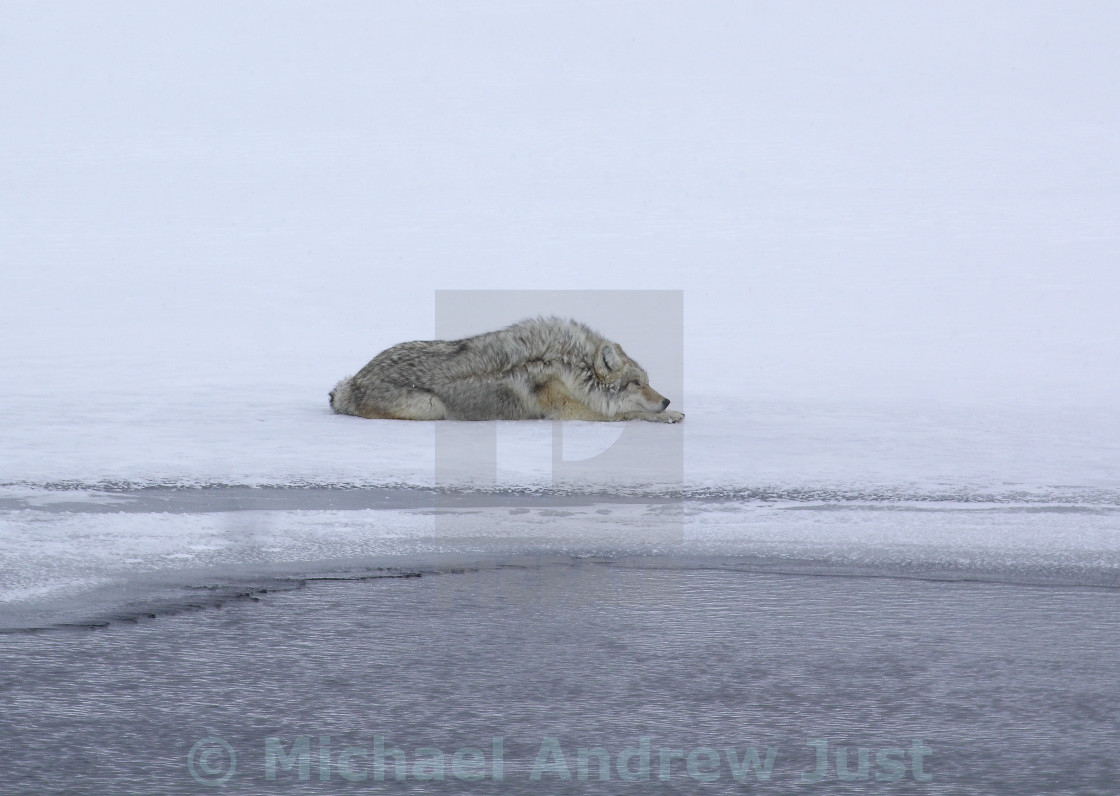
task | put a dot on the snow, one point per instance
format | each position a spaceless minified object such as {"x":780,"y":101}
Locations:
{"x":894,"y":226}
{"x":195,"y":439}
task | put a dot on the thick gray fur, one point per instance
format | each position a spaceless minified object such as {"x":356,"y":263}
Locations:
{"x":544,"y":368}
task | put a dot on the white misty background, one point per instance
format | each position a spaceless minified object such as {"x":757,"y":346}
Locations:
{"x":212,"y":211}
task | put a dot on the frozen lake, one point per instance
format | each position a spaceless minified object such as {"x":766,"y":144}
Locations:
{"x":492,"y":673}
{"x":938,"y":590}
{"x":161,"y":637}
{"x":161,"y":634}
{"x":1012,"y":495}
{"x":884,"y":241}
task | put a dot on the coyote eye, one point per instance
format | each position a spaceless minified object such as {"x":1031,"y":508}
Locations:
{"x":632,"y":383}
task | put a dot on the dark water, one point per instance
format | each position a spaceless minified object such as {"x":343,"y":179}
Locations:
{"x":495,"y":678}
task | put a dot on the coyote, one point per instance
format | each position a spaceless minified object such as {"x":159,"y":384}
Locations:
{"x":544,"y":368}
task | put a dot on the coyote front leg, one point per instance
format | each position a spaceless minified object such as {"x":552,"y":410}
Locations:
{"x":668,"y":416}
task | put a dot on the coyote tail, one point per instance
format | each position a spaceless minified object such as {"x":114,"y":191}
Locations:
{"x":342,"y":397}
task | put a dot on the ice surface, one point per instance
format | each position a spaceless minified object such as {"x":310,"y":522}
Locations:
{"x":729,"y":446}
{"x":67,"y":567}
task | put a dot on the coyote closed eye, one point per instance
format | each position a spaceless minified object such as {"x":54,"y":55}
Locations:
{"x":546,"y":368}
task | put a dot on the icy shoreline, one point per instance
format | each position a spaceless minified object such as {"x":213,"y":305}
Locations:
{"x":209,"y":498}
{"x":87,"y":558}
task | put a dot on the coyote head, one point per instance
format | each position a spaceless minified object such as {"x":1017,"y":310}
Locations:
{"x":623,"y":383}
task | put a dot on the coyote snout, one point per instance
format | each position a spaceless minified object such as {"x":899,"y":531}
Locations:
{"x":545,"y":368}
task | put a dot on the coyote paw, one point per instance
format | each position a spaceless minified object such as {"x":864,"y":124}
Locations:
{"x":668,"y":416}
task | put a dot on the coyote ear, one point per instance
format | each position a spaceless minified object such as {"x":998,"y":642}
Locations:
{"x":607,"y":359}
